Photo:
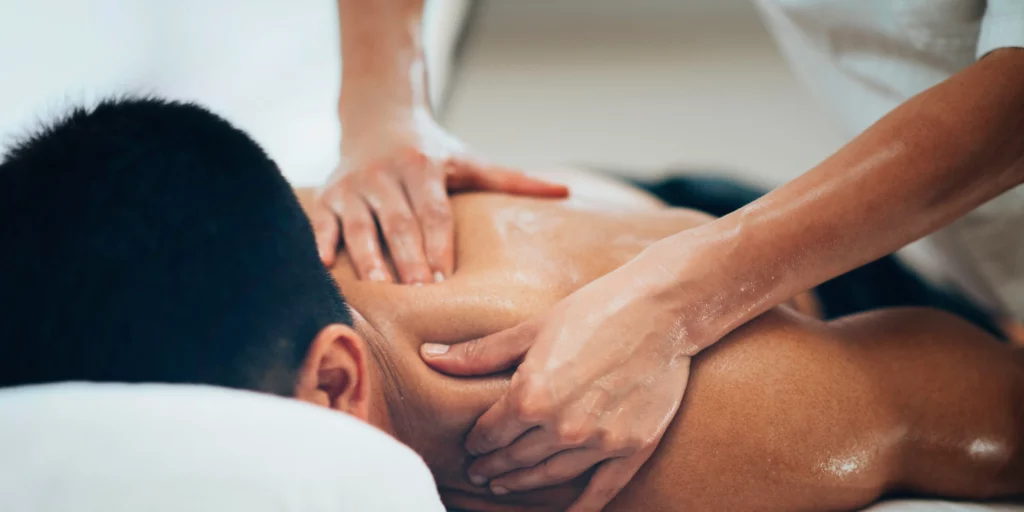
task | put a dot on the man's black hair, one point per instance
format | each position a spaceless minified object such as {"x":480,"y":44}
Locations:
{"x":151,"y":241}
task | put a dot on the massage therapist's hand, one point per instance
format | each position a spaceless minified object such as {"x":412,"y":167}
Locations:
{"x":602,"y":376}
{"x":397,"y":174}
{"x":397,"y":164}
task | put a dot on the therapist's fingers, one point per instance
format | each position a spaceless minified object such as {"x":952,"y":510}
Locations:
{"x":560,"y":468}
{"x":429,"y":199}
{"x":529,"y":402}
{"x":496,"y":427}
{"x":326,"y":231}
{"x":529,"y":450}
{"x":483,"y":356}
{"x":610,"y":478}
{"x":467,"y":175}
{"x":401,"y":229}
{"x":360,"y":233}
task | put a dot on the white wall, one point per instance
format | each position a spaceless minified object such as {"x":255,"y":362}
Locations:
{"x":443,"y":22}
{"x":639,"y":84}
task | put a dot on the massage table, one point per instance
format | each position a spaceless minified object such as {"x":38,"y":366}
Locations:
{"x":127,"y":447}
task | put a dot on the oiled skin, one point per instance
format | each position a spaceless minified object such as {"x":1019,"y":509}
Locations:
{"x":786,"y":413}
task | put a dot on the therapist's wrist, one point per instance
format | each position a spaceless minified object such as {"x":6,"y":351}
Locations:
{"x":387,"y":129}
{"x":367,"y":101}
{"x":382,"y":54}
{"x":672,"y":283}
{"x":704,"y":275}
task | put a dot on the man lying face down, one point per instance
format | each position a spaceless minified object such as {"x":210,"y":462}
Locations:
{"x":148,"y":241}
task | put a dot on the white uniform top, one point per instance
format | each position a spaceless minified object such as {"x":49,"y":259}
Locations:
{"x":271,"y":67}
{"x":862,"y":58}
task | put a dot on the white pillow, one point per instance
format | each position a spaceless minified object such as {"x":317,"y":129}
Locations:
{"x":121,"y":447}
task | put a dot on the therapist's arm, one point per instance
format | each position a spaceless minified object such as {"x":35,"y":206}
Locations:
{"x":931,"y":160}
{"x":397,"y":164}
{"x":383,"y":69}
{"x":604,"y":372}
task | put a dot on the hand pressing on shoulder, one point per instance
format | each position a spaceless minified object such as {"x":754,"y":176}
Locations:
{"x":395,"y":174}
{"x":598,"y":379}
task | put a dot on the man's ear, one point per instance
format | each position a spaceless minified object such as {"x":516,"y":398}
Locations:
{"x":335,"y":373}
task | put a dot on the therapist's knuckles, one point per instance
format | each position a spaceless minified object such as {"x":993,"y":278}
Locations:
{"x":436,"y":211}
{"x":358,"y":227}
{"x":398,"y":222}
{"x":612,"y":442}
{"x":573,"y":433}
{"x":531,"y":398}
{"x":409,"y":261}
{"x":606,"y":439}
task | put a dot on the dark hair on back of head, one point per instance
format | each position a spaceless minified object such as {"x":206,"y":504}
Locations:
{"x":151,"y":241}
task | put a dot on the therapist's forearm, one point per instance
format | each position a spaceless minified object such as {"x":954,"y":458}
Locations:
{"x":936,"y":157}
{"x":383,"y":70}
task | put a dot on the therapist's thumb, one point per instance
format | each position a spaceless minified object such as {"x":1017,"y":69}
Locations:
{"x":490,"y":354}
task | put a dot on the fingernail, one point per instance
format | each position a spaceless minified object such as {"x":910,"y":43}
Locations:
{"x":417,"y":284}
{"x":477,"y":480}
{"x":377,"y":275}
{"x":438,"y":276}
{"x":435,"y":349}
{"x":499,"y":490}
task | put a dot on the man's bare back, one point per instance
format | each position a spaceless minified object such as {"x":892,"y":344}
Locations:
{"x":787,"y":413}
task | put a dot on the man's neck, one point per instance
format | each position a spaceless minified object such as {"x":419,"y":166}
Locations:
{"x":432,"y":412}
{"x":381,"y":411}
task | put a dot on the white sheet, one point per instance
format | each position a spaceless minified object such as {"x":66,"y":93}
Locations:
{"x":115,"y":447}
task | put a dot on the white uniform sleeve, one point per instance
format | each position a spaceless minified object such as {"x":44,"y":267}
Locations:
{"x":1002,"y":26}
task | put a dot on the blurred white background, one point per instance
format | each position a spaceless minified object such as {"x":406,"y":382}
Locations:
{"x":635,"y":85}
{"x":628,"y":85}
